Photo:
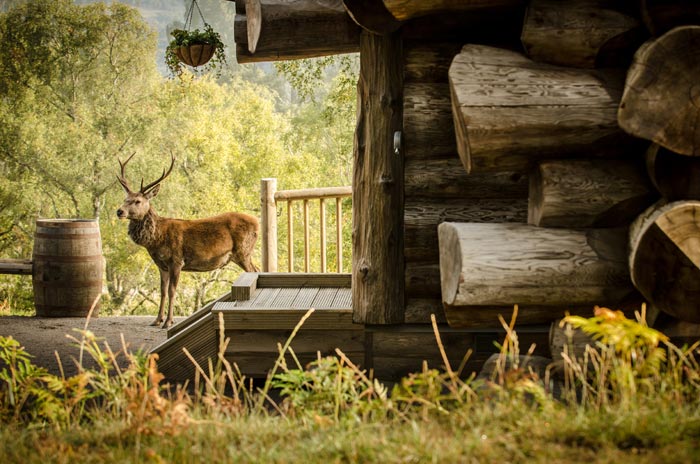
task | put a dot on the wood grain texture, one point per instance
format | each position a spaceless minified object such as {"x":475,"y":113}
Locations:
{"x":294,"y":29}
{"x":446,"y":178}
{"x":664,"y":258}
{"x":483,"y":317}
{"x":422,"y":217}
{"x":427,"y":121}
{"x":403,"y":10}
{"x":378,"y":293}
{"x":588,"y":193}
{"x":580,"y":33}
{"x":676,"y":177}
{"x":506,"y":264}
{"x":661,"y":101}
{"x":510,"y":112}
{"x":428,"y":62}
{"x":418,"y":310}
{"x":244,"y":287}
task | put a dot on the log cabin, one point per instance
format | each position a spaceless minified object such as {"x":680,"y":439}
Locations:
{"x":531,"y":152}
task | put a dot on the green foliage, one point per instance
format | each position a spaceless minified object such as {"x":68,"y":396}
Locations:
{"x":183,"y":38}
{"x":334,"y":411}
{"x":93,"y":95}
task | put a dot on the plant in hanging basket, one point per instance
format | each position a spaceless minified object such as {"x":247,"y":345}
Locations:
{"x":195,"y":48}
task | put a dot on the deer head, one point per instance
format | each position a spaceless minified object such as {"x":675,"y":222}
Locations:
{"x":137,"y":204}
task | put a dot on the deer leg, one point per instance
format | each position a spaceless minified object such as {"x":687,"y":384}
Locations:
{"x":164,"y":279}
{"x":174,"y":279}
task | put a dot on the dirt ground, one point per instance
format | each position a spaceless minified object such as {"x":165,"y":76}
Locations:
{"x":44,"y":337}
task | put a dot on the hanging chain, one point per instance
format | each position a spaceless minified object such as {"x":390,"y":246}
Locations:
{"x":190,"y":12}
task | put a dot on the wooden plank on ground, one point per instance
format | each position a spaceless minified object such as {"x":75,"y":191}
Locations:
{"x":305,"y":298}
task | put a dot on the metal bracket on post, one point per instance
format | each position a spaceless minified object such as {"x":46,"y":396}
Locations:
{"x":397,"y":142}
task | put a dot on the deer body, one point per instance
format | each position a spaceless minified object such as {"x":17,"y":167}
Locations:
{"x":176,"y":245}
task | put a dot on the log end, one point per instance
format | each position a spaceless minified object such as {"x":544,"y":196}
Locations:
{"x":665,"y":258}
{"x":450,"y":262}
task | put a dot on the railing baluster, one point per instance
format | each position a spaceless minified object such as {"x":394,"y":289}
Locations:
{"x":290,"y":236}
{"x":339,"y":231}
{"x":322,"y":204}
{"x":307,"y":251}
{"x":267,"y":203}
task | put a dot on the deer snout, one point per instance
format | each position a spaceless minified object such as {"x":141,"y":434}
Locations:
{"x":121,"y":214}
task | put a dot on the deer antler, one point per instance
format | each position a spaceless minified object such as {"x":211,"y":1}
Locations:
{"x":122,"y":177}
{"x":165,"y":174}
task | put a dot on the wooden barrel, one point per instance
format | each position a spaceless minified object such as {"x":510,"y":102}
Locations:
{"x":68,"y":267}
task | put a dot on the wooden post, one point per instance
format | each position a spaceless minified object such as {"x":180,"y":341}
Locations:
{"x":269,"y":224}
{"x":378,"y":261}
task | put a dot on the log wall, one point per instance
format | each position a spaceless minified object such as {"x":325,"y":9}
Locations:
{"x":436,"y":187}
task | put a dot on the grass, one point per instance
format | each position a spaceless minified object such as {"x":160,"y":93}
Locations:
{"x":633,"y":397}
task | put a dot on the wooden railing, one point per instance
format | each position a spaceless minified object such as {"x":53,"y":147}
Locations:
{"x":269,"y":197}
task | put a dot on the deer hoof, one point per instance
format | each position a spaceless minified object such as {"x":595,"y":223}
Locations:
{"x":156,"y":323}
{"x":167,"y":324}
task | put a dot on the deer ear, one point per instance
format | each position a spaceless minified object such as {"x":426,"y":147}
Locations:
{"x":153,"y":192}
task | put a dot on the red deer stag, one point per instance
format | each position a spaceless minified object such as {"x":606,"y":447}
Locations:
{"x":184,"y":245}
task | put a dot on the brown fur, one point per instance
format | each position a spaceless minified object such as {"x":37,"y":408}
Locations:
{"x":185,"y":245}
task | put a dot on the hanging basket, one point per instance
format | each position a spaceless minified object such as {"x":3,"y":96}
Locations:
{"x":196,"y":54}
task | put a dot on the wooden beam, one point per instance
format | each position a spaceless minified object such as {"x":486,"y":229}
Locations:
{"x":588,"y":193}
{"x":661,"y":101}
{"x":273,"y":30}
{"x":580,"y":33}
{"x":16,"y":266}
{"x":510,"y":112}
{"x":378,"y":262}
{"x":372,"y":16}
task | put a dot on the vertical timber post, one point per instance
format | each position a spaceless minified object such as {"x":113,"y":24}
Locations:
{"x":377,"y":195}
{"x":268,"y":187}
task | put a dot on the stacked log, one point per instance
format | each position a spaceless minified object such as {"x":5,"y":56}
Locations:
{"x":436,"y":187}
{"x":548,"y":270}
{"x":664,"y":258}
{"x":661,"y":101}
{"x":510,"y":111}
{"x":273,"y":30}
{"x":580,"y":33}
{"x":676,"y":177}
{"x":588,"y":193}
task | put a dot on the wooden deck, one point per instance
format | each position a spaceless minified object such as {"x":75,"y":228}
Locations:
{"x":262,"y":310}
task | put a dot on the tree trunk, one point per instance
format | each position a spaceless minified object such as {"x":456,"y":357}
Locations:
{"x":510,"y":112}
{"x":588,"y":193}
{"x":661,"y":101}
{"x":283,"y":30}
{"x":580,"y":33}
{"x":676,"y":177}
{"x":506,"y":264}
{"x":378,"y":262}
{"x":664,"y":258}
